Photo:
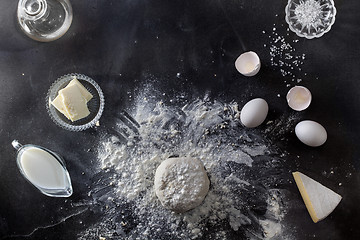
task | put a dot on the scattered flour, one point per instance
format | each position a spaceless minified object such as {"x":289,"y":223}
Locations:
{"x":272,"y":224}
{"x":239,"y":164}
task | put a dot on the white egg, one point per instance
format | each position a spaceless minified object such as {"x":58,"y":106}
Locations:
{"x":311,"y":133}
{"x":248,"y":64}
{"x":254,"y":113}
{"x":299,"y":98}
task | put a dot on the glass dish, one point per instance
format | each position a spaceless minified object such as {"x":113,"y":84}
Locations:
{"x":95,"y":105}
{"x":310,"y":18}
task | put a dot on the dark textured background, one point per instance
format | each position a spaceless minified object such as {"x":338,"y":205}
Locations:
{"x":121,"y":43}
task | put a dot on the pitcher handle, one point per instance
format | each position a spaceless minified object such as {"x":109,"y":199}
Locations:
{"x":16,"y":144}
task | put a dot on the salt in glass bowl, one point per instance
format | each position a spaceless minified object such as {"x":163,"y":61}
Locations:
{"x":95,"y":104}
{"x":310,"y":18}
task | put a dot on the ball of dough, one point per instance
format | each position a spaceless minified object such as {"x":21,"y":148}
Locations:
{"x":181,"y":184}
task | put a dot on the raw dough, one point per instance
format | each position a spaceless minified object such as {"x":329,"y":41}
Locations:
{"x":181,"y":184}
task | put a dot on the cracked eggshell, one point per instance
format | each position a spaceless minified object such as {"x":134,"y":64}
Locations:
{"x":254,"y":113}
{"x":299,"y":98}
{"x":311,"y":133}
{"x":248,"y":64}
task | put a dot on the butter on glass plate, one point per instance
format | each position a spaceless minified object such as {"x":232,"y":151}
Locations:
{"x":95,"y":104}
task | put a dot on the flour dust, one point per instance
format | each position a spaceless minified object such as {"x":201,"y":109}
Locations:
{"x":243,"y":167}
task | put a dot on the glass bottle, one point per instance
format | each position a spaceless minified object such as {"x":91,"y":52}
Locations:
{"x":44,"y":20}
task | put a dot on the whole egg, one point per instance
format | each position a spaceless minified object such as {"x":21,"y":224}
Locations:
{"x":254,"y":113}
{"x":311,"y":133}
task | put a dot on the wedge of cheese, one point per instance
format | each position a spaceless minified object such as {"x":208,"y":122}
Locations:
{"x":74,"y":103}
{"x":85,"y":93}
{"x":319,"y":200}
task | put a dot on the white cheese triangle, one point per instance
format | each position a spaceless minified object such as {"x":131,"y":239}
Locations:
{"x":320,"y":201}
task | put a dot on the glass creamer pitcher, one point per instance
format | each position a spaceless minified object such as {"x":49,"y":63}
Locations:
{"x":44,"y":169}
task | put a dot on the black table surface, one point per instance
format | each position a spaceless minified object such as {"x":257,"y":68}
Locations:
{"x":121,"y":44}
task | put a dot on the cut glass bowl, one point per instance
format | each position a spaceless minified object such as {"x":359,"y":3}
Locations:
{"x":95,"y":105}
{"x":310,"y":18}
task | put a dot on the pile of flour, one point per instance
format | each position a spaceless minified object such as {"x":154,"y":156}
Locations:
{"x":241,"y":164}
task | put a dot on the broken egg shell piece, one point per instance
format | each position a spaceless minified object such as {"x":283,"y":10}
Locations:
{"x":248,"y":64}
{"x":299,"y":98}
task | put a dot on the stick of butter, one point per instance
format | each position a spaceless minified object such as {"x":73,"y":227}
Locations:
{"x":72,"y":101}
{"x":85,"y":93}
{"x":58,"y":104}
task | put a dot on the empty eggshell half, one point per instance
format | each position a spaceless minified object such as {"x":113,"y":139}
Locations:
{"x":248,"y":64}
{"x":299,"y":98}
